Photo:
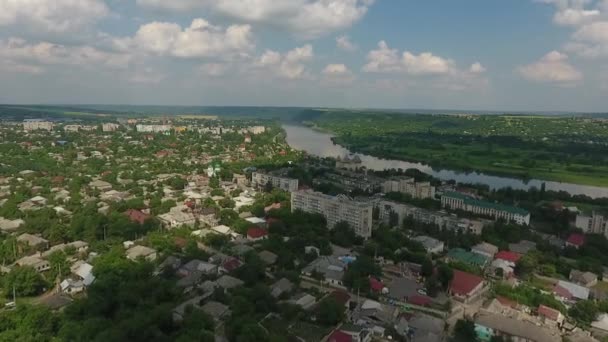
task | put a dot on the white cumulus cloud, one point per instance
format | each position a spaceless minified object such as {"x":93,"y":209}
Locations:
{"x":54,"y":16}
{"x":552,"y":68}
{"x":344,"y":43}
{"x":306,"y":18}
{"x":385,"y":59}
{"x":290,"y":65}
{"x":200,"y":39}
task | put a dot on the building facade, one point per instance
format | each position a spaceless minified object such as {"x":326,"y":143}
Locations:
{"x":592,"y":223}
{"x":109,"y":127}
{"x":410,"y":187}
{"x":153,"y":128}
{"x":259,"y":180}
{"x":37,"y":124}
{"x":443,"y":220}
{"x":336,"y":209}
{"x":458,"y":201}
{"x":349,"y":163}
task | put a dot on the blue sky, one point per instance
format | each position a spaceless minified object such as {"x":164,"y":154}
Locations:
{"x":516,"y":55}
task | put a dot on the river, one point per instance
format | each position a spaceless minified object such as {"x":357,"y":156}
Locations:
{"x":320,"y":144}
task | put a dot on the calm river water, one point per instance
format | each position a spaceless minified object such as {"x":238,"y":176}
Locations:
{"x":318,"y":143}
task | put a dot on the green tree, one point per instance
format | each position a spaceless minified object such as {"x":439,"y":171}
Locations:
{"x":330,"y":312}
{"x":25,"y":280}
{"x":464,"y":331}
{"x":584,"y":312}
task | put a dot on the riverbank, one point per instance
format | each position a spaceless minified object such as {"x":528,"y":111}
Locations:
{"x":459,"y":162}
{"x":320,"y":144}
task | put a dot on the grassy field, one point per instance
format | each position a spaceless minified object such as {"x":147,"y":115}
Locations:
{"x":572,"y":150}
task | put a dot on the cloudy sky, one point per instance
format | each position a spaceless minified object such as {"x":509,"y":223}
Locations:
{"x":436,"y":54}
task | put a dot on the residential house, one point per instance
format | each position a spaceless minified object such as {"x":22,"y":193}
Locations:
{"x":256,"y":234}
{"x":78,"y":246}
{"x":600,"y":325}
{"x":280,"y":287}
{"x":570,"y":292}
{"x":33,"y":204}
{"x":137,"y":216}
{"x":177,"y":217}
{"x":33,"y":241}
{"x":268,"y":257}
{"x":522,"y":247}
{"x":136,"y":252}
{"x":486,"y":249}
{"x":490,"y":324}
{"x":216,"y":310}
{"x":229,"y":265}
{"x":100,"y":185}
{"x":34,"y":261}
{"x":431,"y":245}
{"x":550,"y":315}
{"x":575,"y":240}
{"x":8,"y":226}
{"x":357,"y":333}
{"x":227,"y":282}
{"x":197,"y":266}
{"x":461,"y":255}
{"x":465,"y":287}
{"x":330,"y":267}
{"x":586,"y":279}
{"x":303,"y":300}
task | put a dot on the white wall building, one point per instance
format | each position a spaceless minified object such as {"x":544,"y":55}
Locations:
{"x":37,"y":124}
{"x":109,"y":127}
{"x":153,"y":128}
{"x":409,"y":186}
{"x":259,"y":180}
{"x":458,"y":201}
{"x":336,"y":209}
{"x":592,"y":223}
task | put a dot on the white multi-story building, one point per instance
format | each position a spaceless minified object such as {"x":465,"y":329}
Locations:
{"x":153,"y":128}
{"x":37,"y":124}
{"x":71,"y":128}
{"x":349,"y":163}
{"x":256,"y":129}
{"x":336,"y":209}
{"x":458,"y":201}
{"x":443,"y":220}
{"x":593,"y":223}
{"x":109,"y":127}
{"x":259,"y":180}
{"x":409,"y":186}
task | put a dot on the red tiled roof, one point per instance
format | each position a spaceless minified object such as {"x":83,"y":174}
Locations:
{"x":562,"y":292}
{"x":506,"y":301}
{"x":180,"y":242}
{"x":375,"y":284}
{"x":508,"y":256}
{"x":339,"y":336}
{"x":464,"y":283}
{"x":548,"y":312}
{"x":272,"y":206}
{"x":576,"y":239}
{"x":256,"y":232}
{"x":420,"y":300}
{"x":231,"y":264}
{"x":137,"y":216}
{"x":341,"y":297}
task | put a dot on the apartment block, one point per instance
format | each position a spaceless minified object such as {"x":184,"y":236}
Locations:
{"x":109,"y":127}
{"x":153,"y":128}
{"x":592,"y":223}
{"x":37,"y":124}
{"x":458,"y":201}
{"x":336,"y":209}
{"x":259,"y":180}
{"x":410,"y":187}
